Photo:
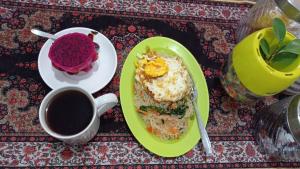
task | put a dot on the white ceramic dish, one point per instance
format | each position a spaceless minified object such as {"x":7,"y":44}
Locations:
{"x":95,"y":79}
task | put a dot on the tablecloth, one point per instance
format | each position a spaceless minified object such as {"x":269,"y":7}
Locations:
{"x":206,"y":28}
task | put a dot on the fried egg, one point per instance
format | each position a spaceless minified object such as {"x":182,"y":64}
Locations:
{"x":165,"y":78}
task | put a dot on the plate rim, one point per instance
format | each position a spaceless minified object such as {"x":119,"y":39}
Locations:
{"x":71,"y":30}
{"x":197,"y":82}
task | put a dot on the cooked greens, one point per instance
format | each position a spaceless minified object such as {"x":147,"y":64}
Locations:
{"x":178,"y":111}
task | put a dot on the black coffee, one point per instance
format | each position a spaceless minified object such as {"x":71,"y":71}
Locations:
{"x":69,"y":112}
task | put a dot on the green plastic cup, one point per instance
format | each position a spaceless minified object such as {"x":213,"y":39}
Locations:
{"x":255,"y":74}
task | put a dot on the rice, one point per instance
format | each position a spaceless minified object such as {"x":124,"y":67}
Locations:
{"x":166,"y":126}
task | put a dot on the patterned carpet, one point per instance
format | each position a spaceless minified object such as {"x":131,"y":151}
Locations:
{"x":206,"y":28}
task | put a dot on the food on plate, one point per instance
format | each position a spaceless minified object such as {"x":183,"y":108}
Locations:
{"x":163,"y":94}
{"x":73,"y":52}
{"x":165,"y":78}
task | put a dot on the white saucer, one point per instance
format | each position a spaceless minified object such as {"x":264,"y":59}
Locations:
{"x":95,"y":79}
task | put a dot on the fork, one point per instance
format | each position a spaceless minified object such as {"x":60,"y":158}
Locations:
{"x":205,"y":139}
{"x":53,"y":37}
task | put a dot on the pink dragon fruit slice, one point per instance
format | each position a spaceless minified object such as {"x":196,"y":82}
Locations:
{"x":73,"y":53}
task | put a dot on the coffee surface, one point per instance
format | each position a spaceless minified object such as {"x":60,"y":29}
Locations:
{"x":69,"y":112}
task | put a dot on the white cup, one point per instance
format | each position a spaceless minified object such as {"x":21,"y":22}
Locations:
{"x":100,"y":105}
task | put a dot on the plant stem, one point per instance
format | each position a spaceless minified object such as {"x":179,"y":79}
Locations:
{"x":271,"y":57}
{"x":273,"y":54}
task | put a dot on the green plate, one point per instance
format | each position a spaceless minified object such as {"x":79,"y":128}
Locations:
{"x":136,"y":124}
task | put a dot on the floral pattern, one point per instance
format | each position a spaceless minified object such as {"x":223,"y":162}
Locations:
{"x":106,"y":153}
{"x":224,"y":39}
{"x":193,"y":10}
{"x":15,"y":107}
{"x":206,"y":28}
{"x":20,"y":26}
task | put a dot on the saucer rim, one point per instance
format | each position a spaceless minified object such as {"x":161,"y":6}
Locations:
{"x":71,"y":30}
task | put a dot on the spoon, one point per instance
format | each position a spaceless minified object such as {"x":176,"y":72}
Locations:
{"x":204,"y":136}
{"x":53,"y":37}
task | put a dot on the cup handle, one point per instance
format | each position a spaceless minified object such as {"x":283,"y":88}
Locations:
{"x":105,"y":102}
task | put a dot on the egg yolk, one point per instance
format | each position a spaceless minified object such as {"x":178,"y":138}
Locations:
{"x":156,"y":67}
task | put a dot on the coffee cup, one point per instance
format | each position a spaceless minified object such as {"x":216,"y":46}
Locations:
{"x":72,"y":115}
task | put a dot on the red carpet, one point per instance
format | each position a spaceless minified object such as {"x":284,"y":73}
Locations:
{"x":205,"y":28}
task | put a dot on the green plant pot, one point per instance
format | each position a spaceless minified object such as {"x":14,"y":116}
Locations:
{"x":248,"y":76}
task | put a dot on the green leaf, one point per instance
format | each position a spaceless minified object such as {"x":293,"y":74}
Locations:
{"x":265,"y":47}
{"x":262,"y":54}
{"x":281,"y":60}
{"x":279,"y":29}
{"x":292,"y":47}
{"x":283,"y":56}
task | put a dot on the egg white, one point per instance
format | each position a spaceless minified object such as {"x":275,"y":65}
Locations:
{"x":172,"y":86}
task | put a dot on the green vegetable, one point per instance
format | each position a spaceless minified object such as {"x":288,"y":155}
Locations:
{"x":160,"y":110}
{"x":279,"y":29}
{"x":290,"y":50}
{"x":265,"y":48}
{"x":292,"y":47}
{"x":178,"y":111}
